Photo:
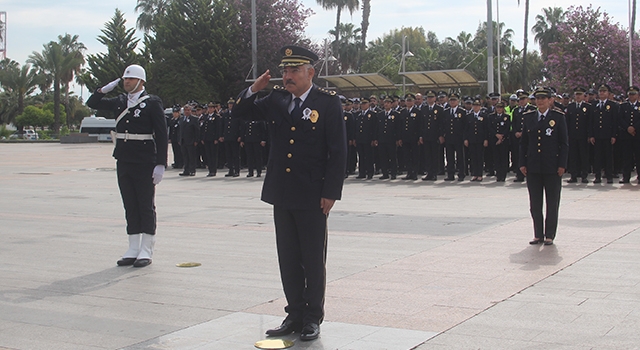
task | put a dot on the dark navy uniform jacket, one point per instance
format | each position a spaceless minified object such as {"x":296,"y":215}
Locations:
{"x":387,"y":129}
{"x":211,"y":125}
{"x":476,"y":130}
{"x":254,"y":131}
{"x":629,"y":116}
{"x":145,"y":118}
{"x":453,"y":125}
{"x":579,"y":120}
{"x":604,"y":124}
{"x":498,"y":124}
{"x":545,"y":144}
{"x":308,"y":156}
{"x":409,"y":130}
{"x":174,"y":130}
{"x":190,"y":130}
{"x":431,"y":124}
{"x":366,"y":124}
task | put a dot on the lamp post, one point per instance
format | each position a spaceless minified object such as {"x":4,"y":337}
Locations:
{"x":327,"y":59}
{"x":489,"y":48}
{"x":405,"y":53}
{"x":630,"y":48}
{"x":254,"y":40}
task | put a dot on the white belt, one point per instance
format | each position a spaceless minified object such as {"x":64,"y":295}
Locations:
{"x":140,"y":137}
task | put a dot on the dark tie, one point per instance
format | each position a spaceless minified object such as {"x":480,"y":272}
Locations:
{"x":296,"y":112}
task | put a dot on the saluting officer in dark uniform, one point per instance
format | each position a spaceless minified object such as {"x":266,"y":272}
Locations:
{"x":544,"y":151}
{"x":189,"y":138}
{"x":174,"y":137}
{"x":387,"y":139}
{"x":476,"y":135}
{"x":211,"y":126}
{"x":304,"y":178}
{"x":431,"y":135}
{"x":366,"y":123}
{"x":452,"y":130}
{"x":231,"y":141}
{"x":603,"y":133}
{"x":141,"y":153}
{"x":254,"y":139}
{"x":629,"y":138}
{"x":409,"y":134}
{"x":578,"y":117}
{"x":499,"y":126}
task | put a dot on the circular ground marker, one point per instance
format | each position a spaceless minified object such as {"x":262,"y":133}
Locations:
{"x":272,"y":344}
{"x":188,"y":264}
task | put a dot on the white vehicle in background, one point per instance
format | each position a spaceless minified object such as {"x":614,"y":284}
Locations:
{"x":98,"y":126}
{"x":28,"y":134}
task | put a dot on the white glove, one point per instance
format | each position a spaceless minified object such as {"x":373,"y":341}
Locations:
{"x":112,"y":85}
{"x":158,"y":172}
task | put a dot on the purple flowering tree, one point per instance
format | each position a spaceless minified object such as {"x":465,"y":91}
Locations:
{"x":591,"y":50}
{"x":279,"y":23}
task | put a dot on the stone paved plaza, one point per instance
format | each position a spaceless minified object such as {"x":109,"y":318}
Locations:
{"x":411,"y":265}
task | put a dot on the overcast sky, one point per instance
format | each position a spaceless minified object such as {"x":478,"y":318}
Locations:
{"x":32,"y":23}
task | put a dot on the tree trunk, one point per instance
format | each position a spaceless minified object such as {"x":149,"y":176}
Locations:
{"x":524,"y":50}
{"x":338,"y":24}
{"x":366,"y":12}
{"x":66,"y":103}
{"x":56,"y":105}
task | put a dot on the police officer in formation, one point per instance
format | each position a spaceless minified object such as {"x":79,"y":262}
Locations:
{"x":499,"y":128}
{"x":409,"y":136}
{"x":365,"y":133}
{"x":210,"y":133}
{"x":231,"y":140}
{"x":174,"y":137}
{"x":578,"y":115}
{"x":604,"y":133}
{"x":430,"y":135}
{"x":253,"y":141}
{"x":453,"y":124}
{"x":189,"y":140}
{"x":388,"y":121}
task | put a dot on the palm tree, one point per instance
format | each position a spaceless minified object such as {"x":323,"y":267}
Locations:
{"x":150,"y":10}
{"x":366,"y":12}
{"x":18,"y":83}
{"x":57,"y":61}
{"x":71,"y":47}
{"x":339,"y":5}
{"x":546,"y":28}
{"x":348,"y":48}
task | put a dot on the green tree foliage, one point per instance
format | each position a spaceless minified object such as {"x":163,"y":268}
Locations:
{"x":121,"y":44}
{"x":546,"y":28}
{"x":196,"y":46}
{"x":18,"y":83}
{"x":35,"y":117}
{"x":339,"y":5}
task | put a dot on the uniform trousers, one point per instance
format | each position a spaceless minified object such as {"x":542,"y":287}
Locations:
{"x":388,"y":158}
{"x":301,"y":240}
{"x":603,"y":158}
{"x":411,"y":152}
{"x":431,"y":157}
{"x":189,"y":157}
{"x":232,"y":149}
{"x":579,"y":157}
{"x":254,"y":156}
{"x":631,"y":156}
{"x":365,"y":159}
{"x":501,"y":160}
{"x":177,"y":154}
{"x":211,"y":150}
{"x":455,"y":159}
{"x":137,"y":190}
{"x":551,"y":185}
{"x":476,"y":155}
{"x":515,"y":155}
{"x":352,"y":159}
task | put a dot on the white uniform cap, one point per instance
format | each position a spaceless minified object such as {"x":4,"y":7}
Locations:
{"x":135,"y":71}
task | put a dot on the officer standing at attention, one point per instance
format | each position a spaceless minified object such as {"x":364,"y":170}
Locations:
{"x":603,"y":133}
{"x":578,"y":117}
{"x":544,"y":151}
{"x":629,"y":138}
{"x":189,"y":137}
{"x":364,"y":136}
{"x":174,"y":137}
{"x":304,"y":178}
{"x":387,"y":139}
{"x":141,"y":153}
{"x":499,"y":126}
{"x":408,"y":135}
{"x":453,"y":129}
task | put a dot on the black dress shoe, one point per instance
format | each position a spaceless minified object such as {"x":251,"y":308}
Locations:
{"x":369,"y":177}
{"x":585,"y":180}
{"x":609,"y":181}
{"x":287,"y":327}
{"x":548,"y":242}
{"x":383,"y":177}
{"x":450,"y":178}
{"x":142,"y":262}
{"x":536,"y":241}
{"x":572,"y":180}
{"x":126,"y":261}
{"x":211,"y":175}
{"x":184,"y":174}
{"x":518,"y":180}
{"x":249,"y":175}
{"x":259,"y":175}
{"x":393,"y":177}
{"x":624,"y":181}
{"x":228,"y":175}
{"x":597,"y":181}
{"x":310,"y":331}
{"x":360,"y":177}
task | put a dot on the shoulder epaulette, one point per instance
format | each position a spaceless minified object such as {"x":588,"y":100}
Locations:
{"x":529,"y":111}
{"x":328,"y":92}
{"x":556,"y":109}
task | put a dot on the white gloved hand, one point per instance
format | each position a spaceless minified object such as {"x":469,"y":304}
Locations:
{"x":109,"y":87}
{"x":158,"y":172}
